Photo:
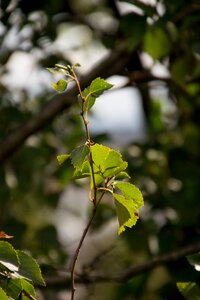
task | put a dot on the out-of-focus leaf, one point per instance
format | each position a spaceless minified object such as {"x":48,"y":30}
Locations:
{"x":156,"y":42}
{"x":60,"y":86}
{"x":62,"y":158}
{"x":190,"y":290}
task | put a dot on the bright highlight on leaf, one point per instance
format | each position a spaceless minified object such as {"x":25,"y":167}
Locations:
{"x":60,"y":86}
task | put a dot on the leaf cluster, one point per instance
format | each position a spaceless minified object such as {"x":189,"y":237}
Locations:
{"x":103,"y":165}
{"x":18,"y":273}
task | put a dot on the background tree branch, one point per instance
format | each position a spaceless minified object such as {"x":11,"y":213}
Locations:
{"x":63,"y":281}
{"x":110,"y":65}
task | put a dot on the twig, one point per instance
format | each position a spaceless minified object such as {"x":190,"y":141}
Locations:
{"x":73,"y":289}
{"x":59,"y":282}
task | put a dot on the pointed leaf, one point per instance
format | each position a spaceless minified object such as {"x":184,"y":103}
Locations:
{"x":60,"y":86}
{"x":127,"y":204}
{"x":62,"y":158}
{"x":8,"y":256}
{"x":190,"y":290}
{"x":79,"y":155}
{"x":29,"y":268}
{"x":107,"y":162}
{"x":3,"y":295}
{"x":123,"y":175}
{"x":130,"y":191}
{"x":126,"y":212}
{"x":96,"y":88}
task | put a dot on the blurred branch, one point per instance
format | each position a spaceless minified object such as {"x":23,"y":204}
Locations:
{"x":60,"y":282}
{"x":111,"y":64}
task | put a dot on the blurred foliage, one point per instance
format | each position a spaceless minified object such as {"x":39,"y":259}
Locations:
{"x":165,"y":164}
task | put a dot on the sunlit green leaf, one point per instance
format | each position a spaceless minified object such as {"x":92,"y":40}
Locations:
{"x":107,"y":162}
{"x":190,"y":290}
{"x":126,"y":212}
{"x":96,"y":89}
{"x":3,"y":295}
{"x":79,"y":155}
{"x":60,"y":86}
{"x":127,"y":204}
{"x":62,"y":158}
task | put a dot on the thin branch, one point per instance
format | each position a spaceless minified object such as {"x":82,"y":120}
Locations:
{"x":74,"y":260}
{"x":59,"y":282}
{"x":73,"y":289}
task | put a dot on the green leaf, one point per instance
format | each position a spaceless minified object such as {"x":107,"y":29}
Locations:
{"x":107,"y":162}
{"x":3,"y":295}
{"x":194,"y":260}
{"x":28,"y":287}
{"x":127,"y":204}
{"x":130,"y":191}
{"x":83,"y":172}
{"x":14,"y":287}
{"x":8,"y":256}
{"x":29,"y":268}
{"x":123,"y":175}
{"x":96,"y":89}
{"x":190,"y":290}
{"x":157,"y":43}
{"x":62,"y":158}
{"x":60,"y":86}
{"x":17,"y":285}
{"x":79,"y":155}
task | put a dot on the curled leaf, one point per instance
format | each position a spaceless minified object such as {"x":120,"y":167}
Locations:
{"x":60,"y":86}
